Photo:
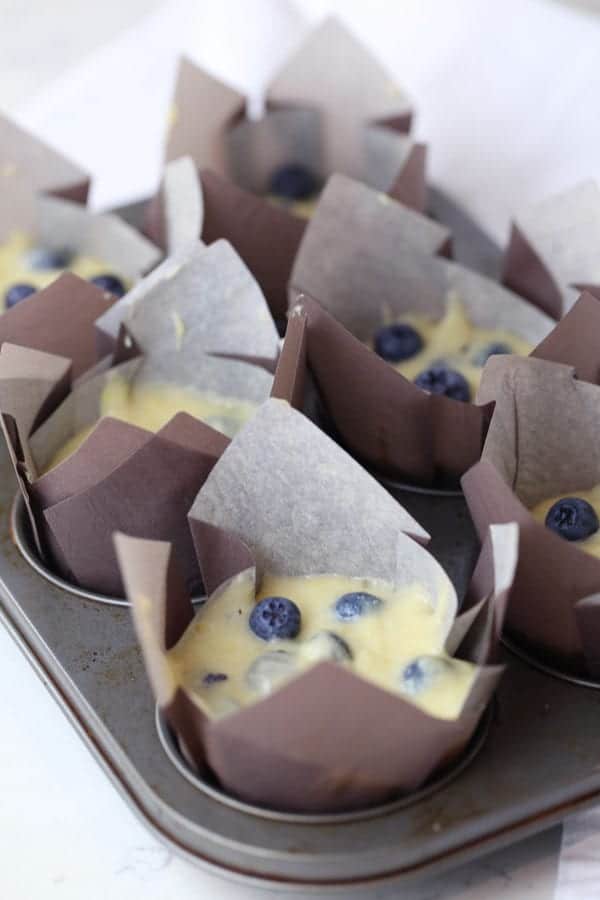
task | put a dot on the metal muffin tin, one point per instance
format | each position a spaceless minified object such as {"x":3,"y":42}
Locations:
{"x":537,"y":763}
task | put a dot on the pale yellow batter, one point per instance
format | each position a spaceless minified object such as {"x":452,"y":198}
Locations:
{"x":454,"y":340}
{"x":304,"y":209}
{"x":15,"y":269}
{"x":382,"y":643}
{"x":151,"y":406}
{"x":590,"y":544}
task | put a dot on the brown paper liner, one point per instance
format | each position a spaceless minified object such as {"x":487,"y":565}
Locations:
{"x":32,"y":385}
{"x":383,"y":419}
{"x":367,"y":261}
{"x":318,"y":744}
{"x":213,"y":297}
{"x":314,"y":115}
{"x":552,"y":249}
{"x":104,"y":487}
{"x":104,"y":236}
{"x":410,"y":185}
{"x":59,"y":320}
{"x":83,"y":407}
{"x":263,"y":474}
{"x":266,"y":236}
{"x":120,"y":477}
{"x":573,"y":341}
{"x":362,"y":133}
{"x":524,"y":272}
{"x":202,"y":110}
{"x":27,"y":166}
{"x":353,"y":235}
{"x":175,"y":462}
{"x":177,"y":210}
{"x":299,"y":749}
{"x":542,"y":441}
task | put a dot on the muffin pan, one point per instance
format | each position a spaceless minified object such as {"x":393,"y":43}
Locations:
{"x":533,"y":761}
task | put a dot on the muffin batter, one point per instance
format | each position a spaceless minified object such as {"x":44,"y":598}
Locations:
{"x":151,"y":406}
{"x":454,"y":341}
{"x":589,"y":544}
{"x":18,"y":266}
{"x":304,"y":209}
{"x":397,"y":642}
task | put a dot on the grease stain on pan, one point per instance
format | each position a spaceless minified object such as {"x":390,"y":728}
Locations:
{"x":115,"y":668}
{"x":212,"y":788}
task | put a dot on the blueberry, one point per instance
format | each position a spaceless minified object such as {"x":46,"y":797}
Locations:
{"x":447,"y":382}
{"x":498,"y":348}
{"x":397,"y":342}
{"x":422,"y":672}
{"x":293,"y":182}
{"x":214,"y":677}
{"x":350,"y":607}
{"x":49,"y":258}
{"x":18,"y":292}
{"x":266,"y":671}
{"x":275,"y":617}
{"x":572,"y":518}
{"x":110,"y":283}
{"x":327,"y":645}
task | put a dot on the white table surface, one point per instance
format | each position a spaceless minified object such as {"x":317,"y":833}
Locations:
{"x":508,"y":117}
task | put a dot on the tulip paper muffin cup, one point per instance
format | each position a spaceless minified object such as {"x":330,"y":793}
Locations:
{"x":398,"y":430}
{"x":59,"y":320}
{"x":194,"y":204}
{"x":104,"y":236}
{"x":543,"y":441}
{"x":122,"y":476}
{"x":328,"y":740}
{"x":378,"y":266}
{"x":553,"y":249}
{"x":314,"y":116}
{"x":363,"y":277}
{"x":28,"y":166}
{"x":201,"y":296}
{"x":573,"y":341}
{"x":369,"y":218}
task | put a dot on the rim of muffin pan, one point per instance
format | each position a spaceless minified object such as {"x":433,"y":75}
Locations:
{"x":22,"y":537}
{"x":535,"y":658}
{"x":208,"y":784}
